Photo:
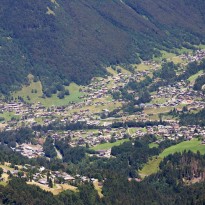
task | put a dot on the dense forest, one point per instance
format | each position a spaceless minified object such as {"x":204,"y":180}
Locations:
{"x":64,"y":41}
{"x":171,"y":185}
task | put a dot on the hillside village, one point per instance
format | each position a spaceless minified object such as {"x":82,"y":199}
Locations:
{"x":94,"y":112}
{"x":97,"y":101}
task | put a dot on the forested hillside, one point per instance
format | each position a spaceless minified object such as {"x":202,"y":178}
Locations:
{"x":65,"y":41}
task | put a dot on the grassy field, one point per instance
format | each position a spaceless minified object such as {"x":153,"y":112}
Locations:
{"x":201,"y":46}
{"x":131,"y":131}
{"x":114,"y":72}
{"x":9,"y":115}
{"x":153,"y":164}
{"x":193,"y":145}
{"x":98,"y":108}
{"x":166,"y":55}
{"x":34,"y":97}
{"x":108,"y":145}
{"x":158,"y":100}
{"x":142,"y":67}
{"x":170,"y":57}
{"x":194,"y":77}
{"x":55,"y":191}
{"x":27,"y":91}
{"x":158,"y":110}
{"x":73,"y":97}
{"x":111,"y":71}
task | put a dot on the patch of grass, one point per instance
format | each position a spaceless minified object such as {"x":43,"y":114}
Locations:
{"x":158,"y":100}
{"x":123,"y":70}
{"x":27,"y":91}
{"x":33,"y":93}
{"x":142,"y":67}
{"x":3,"y":183}
{"x":201,"y":46}
{"x":153,"y":144}
{"x":158,"y":110}
{"x":75,"y":93}
{"x":192,"y":145}
{"x":171,"y":56}
{"x":192,"y":78}
{"x":131,"y":131}
{"x":151,"y":167}
{"x":184,"y":50}
{"x":9,"y":115}
{"x":111,"y":71}
{"x":6,"y":167}
{"x":98,"y":188}
{"x":58,"y":188}
{"x":109,"y":145}
{"x":153,"y":164}
{"x":98,"y":108}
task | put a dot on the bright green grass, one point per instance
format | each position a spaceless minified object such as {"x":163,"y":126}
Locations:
{"x":124,"y":71}
{"x":111,"y":71}
{"x":153,"y":165}
{"x":153,"y":144}
{"x":9,"y":115}
{"x":158,"y":110}
{"x":73,"y":97}
{"x":194,"y":77}
{"x":2,"y":183}
{"x":27,"y":91}
{"x":201,"y":46}
{"x":39,"y":120}
{"x":131,"y":131}
{"x":184,"y":50}
{"x":109,"y":145}
{"x":170,"y":57}
{"x":159,"y":100}
{"x":142,"y":67}
{"x":192,"y":145}
{"x":165,"y":55}
{"x":73,"y":88}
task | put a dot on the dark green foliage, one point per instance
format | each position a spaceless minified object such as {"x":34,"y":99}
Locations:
{"x":49,"y":149}
{"x":200,"y":81}
{"x":1,"y":172}
{"x":193,"y":118}
{"x":18,"y":192}
{"x":70,"y":154}
{"x":191,"y":69}
{"x":144,"y":97}
{"x":84,"y":36}
{"x":22,"y":135}
{"x":167,"y":73}
{"x":183,"y":166}
{"x":136,"y":124}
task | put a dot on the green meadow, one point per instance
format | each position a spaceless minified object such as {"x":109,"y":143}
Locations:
{"x":28,"y":94}
{"x":109,"y":145}
{"x":152,"y":166}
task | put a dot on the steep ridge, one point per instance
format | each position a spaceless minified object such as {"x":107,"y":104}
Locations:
{"x":65,"y":41}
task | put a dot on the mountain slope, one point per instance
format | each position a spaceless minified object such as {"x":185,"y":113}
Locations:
{"x":63,"y":41}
